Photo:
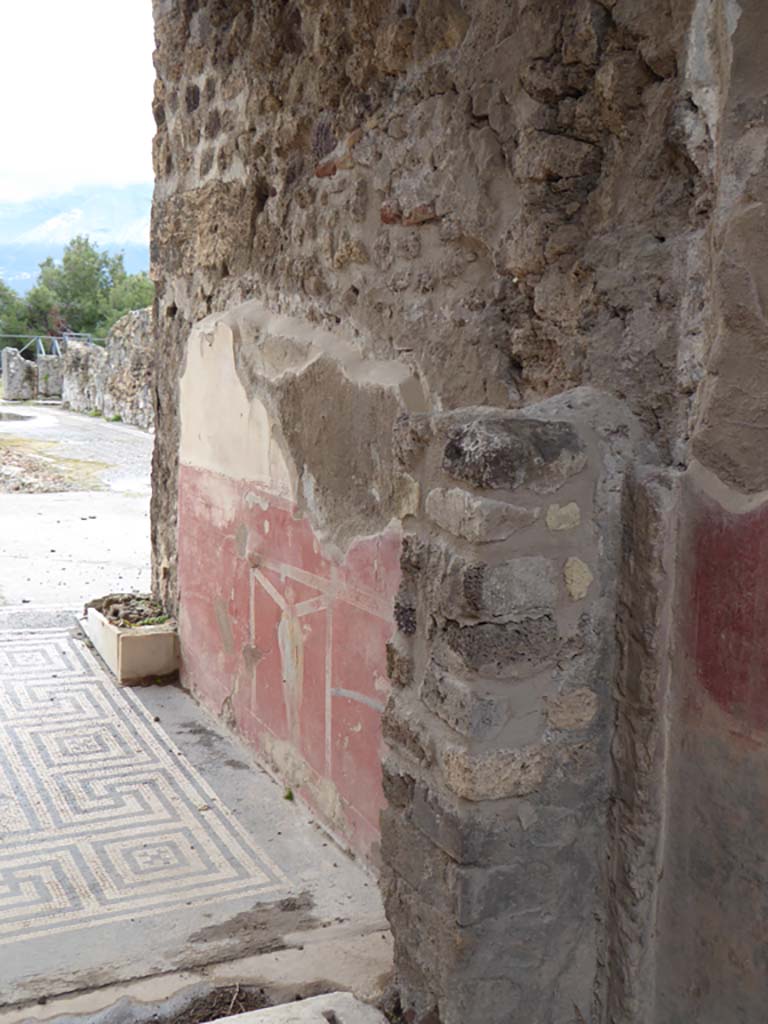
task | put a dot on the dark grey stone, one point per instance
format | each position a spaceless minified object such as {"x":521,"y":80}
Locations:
{"x":501,"y":451}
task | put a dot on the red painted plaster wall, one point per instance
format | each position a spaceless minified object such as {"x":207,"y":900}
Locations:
{"x":713,"y":953}
{"x":288,"y":644}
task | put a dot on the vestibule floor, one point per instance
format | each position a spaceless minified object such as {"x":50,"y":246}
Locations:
{"x":137,"y":838}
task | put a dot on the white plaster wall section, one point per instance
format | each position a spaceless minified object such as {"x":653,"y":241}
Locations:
{"x":289,"y":344}
{"x":728,"y":498}
{"x":222,"y":430}
{"x":244,"y":441}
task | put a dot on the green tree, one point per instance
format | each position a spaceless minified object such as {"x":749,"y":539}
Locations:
{"x":133,"y":291}
{"x":88,"y":291}
{"x":13,"y":314}
{"x":41,"y":306}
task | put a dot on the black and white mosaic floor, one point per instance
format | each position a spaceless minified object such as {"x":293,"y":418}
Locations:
{"x":101,"y":820}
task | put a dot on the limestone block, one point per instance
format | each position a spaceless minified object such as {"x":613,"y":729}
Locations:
{"x":572,"y":710}
{"x":578,"y":578}
{"x":468,"y":709}
{"x":341,"y":1007}
{"x":49,"y":376}
{"x":19,"y":377}
{"x":495,"y":774}
{"x":478,"y":520}
{"x":563,"y":517}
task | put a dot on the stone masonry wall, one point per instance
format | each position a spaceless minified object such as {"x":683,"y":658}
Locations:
{"x":83,"y":377}
{"x":499,"y":722}
{"x":116,"y":381}
{"x":505,"y":196}
{"x":25,"y":379}
{"x":490,"y":275}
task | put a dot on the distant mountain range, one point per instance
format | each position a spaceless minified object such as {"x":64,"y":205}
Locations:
{"x":116,"y":219}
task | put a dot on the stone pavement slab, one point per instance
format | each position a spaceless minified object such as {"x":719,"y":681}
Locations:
{"x":118,"y":859}
{"x":334,"y":1008}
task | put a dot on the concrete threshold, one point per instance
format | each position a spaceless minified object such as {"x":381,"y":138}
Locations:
{"x":334,"y":1008}
{"x":340,"y":958}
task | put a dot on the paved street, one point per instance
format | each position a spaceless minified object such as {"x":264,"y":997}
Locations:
{"x":61,"y":549}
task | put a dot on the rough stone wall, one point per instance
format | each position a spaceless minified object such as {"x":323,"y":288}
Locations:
{"x":19,"y":377}
{"x":129,"y":370}
{"x":116,"y":381}
{"x":83,"y":377}
{"x":501,"y":195}
{"x":551,"y":217}
{"x":49,"y":376}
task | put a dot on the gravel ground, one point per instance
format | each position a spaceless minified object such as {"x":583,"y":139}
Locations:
{"x":74,"y":504}
{"x":30,"y":472}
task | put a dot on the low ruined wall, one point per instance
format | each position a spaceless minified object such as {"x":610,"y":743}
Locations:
{"x":115,"y":381}
{"x":83,"y":377}
{"x":129,"y":370}
{"x":19,"y":377}
{"x":49,"y":376}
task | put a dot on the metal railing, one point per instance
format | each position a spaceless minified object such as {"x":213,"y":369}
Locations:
{"x":49,"y":344}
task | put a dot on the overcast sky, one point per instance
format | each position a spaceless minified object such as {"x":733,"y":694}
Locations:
{"x":76,"y":82}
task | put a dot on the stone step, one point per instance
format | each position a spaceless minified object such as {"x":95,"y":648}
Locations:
{"x":334,"y":1008}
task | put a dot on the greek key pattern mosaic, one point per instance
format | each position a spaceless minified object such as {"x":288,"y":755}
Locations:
{"x":101,"y":820}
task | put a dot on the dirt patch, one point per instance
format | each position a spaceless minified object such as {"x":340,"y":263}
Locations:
{"x":131,"y":610}
{"x":31,"y":467}
{"x":265,"y":925}
{"x":222,"y":1002}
